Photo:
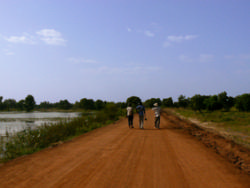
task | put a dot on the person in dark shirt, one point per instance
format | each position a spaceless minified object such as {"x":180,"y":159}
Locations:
{"x":141,"y":110}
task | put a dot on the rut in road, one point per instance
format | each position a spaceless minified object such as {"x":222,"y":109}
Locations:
{"x":116,"y":156}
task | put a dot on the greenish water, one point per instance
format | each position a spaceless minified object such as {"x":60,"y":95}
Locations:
{"x":16,"y":121}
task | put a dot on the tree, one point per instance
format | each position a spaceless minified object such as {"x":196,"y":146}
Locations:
{"x":230,"y":103}
{"x":9,"y":104}
{"x":150,"y":102}
{"x":212,"y":103}
{"x":243,"y":102}
{"x":87,"y":104}
{"x":29,"y":103}
{"x":64,"y":104}
{"x":182,"y":101}
{"x":99,"y":104}
{"x":20,"y":105}
{"x":197,"y":102}
{"x":168,"y":102}
{"x":133,"y":100}
{"x":225,"y":101}
{"x":222,"y":99}
{"x":121,"y":104}
{"x":76,"y":105}
{"x":1,"y":103}
{"x":46,"y":105}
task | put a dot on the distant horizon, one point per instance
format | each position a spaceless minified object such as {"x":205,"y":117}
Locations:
{"x":72,"y":102}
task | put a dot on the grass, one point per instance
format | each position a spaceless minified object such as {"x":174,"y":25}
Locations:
{"x":31,"y":140}
{"x":235,"y":123}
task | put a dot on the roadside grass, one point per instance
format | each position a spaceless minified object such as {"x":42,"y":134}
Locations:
{"x":235,"y":124}
{"x":32,"y":140}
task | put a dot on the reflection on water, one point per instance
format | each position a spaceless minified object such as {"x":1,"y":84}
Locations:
{"x":14,"y":115}
{"x":14,"y":122}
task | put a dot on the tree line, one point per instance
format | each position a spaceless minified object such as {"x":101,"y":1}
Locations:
{"x":198,"y":102}
{"x":29,"y":104}
{"x":220,"y":101}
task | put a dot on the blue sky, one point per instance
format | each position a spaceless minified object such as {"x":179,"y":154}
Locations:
{"x":114,"y":49}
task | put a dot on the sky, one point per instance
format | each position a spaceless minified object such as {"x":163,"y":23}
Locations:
{"x":114,"y":49}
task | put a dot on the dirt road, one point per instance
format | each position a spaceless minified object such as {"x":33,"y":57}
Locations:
{"x":115,"y":156}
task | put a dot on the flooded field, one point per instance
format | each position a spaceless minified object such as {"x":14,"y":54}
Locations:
{"x":16,"y":121}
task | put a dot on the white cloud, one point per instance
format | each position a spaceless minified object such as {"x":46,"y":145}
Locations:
{"x":149,"y":34}
{"x":81,"y":60}
{"x":190,"y":37}
{"x":51,"y":37}
{"x":25,"y":39}
{"x":173,"y":38}
{"x":177,"y":39}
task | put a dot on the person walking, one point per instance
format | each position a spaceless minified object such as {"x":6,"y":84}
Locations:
{"x":157,"y":111}
{"x":141,"y":110}
{"x":130,"y":116}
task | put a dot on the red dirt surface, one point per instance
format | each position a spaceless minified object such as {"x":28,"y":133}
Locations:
{"x":116,"y":156}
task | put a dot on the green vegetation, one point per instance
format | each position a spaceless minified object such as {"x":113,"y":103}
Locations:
{"x":227,"y":113}
{"x":243,"y":102}
{"x":133,"y":101}
{"x":32,"y":140}
{"x":201,"y":103}
{"x":215,"y":102}
{"x":150,"y":102}
{"x":168,"y":102}
{"x":29,"y":103}
{"x":197,"y":103}
{"x":233,"y":122}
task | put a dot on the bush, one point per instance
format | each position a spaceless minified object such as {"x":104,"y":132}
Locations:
{"x":198,"y":102}
{"x":168,"y":102}
{"x":212,"y":103}
{"x":243,"y":102}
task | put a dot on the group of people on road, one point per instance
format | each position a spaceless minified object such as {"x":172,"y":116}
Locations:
{"x":142,"y":115}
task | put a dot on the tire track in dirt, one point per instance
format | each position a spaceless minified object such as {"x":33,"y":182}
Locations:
{"x":116,"y":156}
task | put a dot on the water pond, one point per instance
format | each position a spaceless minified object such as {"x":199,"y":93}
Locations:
{"x":15,"y":121}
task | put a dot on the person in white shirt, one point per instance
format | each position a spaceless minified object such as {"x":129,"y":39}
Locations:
{"x":157,"y":111}
{"x":130,"y":116}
